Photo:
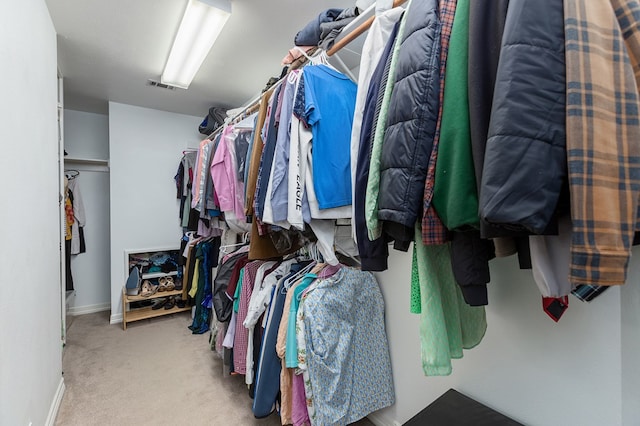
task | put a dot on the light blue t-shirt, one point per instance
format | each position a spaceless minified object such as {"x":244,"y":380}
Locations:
{"x":330,"y":99}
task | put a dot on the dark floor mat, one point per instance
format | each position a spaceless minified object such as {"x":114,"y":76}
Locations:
{"x":456,"y":409}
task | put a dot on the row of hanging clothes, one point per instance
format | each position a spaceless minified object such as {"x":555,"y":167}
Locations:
{"x":278,"y":174}
{"x":440,"y":145}
{"x":308,"y":337}
{"x":196,"y":265}
{"x":306,"y":332}
{"x":75,"y":220}
{"x":478,"y":134}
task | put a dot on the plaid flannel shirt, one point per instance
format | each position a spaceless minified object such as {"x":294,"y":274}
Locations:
{"x":433,"y":230}
{"x":587,"y":293}
{"x":603,"y":136}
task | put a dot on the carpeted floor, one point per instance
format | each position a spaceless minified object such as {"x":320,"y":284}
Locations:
{"x":154,"y":373}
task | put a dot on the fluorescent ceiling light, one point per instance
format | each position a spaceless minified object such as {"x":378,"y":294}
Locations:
{"x":201,"y":24}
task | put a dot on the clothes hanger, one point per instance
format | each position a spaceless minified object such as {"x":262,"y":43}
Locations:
{"x":224,"y":248}
{"x":329,"y":270}
{"x":246,"y":123}
{"x":300,"y":274}
{"x":311,"y":250}
{"x":342,"y":252}
{"x":245,"y":241}
{"x":321,"y":58}
{"x":71,"y":173}
{"x":345,"y":68}
{"x":303,"y":53}
{"x":318,"y":58}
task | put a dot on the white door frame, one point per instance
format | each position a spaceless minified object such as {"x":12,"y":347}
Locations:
{"x":61,"y":210}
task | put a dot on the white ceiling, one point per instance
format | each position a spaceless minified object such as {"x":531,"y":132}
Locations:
{"x":108,"y":49}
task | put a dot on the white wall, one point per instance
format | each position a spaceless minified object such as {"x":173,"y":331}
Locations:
{"x":30,"y":292}
{"x":528,"y":367}
{"x":86,"y":135}
{"x":145,"y":149}
{"x":630,"y":295}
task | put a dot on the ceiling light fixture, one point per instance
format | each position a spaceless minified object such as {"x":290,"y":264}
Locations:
{"x":201,"y":24}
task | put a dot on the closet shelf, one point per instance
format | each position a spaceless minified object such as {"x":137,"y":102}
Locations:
{"x":88,"y":161}
{"x":156,"y":295}
{"x":131,"y":315}
{"x":145,"y":313}
{"x":151,"y":275}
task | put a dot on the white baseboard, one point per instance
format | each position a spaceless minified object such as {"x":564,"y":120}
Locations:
{"x":380,"y":420}
{"x":115,"y":318}
{"x":89,"y":309}
{"x":55,"y":404}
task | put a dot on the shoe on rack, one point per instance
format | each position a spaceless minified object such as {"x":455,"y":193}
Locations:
{"x":181,"y":303}
{"x":159,"y":304}
{"x":133,"y":282}
{"x":144,"y":303}
{"x":148,"y":289}
{"x":170,"y":284}
{"x":162,"y":284}
{"x":178,"y":283}
{"x":170,"y":303}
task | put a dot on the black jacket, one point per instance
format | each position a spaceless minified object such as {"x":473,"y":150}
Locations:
{"x":525,"y":159}
{"x":222,"y":305}
{"x":486,"y":26}
{"x":410,"y":123}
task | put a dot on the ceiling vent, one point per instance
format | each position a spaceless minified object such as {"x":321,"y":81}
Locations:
{"x":154,"y":83}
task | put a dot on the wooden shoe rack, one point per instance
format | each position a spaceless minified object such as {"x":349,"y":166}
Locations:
{"x":137,"y":314}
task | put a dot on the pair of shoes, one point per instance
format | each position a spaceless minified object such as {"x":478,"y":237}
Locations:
{"x":165,"y":302}
{"x":148,"y":289}
{"x":166,"y":284}
{"x":170,"y":303}
{"x":141,"y":303}
{"x":181,"y":303}
{"x":159,"y":304}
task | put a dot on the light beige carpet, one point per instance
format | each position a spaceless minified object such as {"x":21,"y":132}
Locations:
{"x":154,"y":373}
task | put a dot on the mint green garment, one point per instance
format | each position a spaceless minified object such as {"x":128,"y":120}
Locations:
{"x":236,"y":295}
{"x":415,"y":306}
{"x":455,"y":195}
{"x":447,"y":324}
{"x":374,"y":227}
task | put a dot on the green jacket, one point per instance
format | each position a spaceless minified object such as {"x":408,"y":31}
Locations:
{"x":455,"y":196}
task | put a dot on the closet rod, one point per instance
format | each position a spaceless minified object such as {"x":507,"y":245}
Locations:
{"x":254,"y":104}
{"x":357,"y":32}
{"x":251,"y":107}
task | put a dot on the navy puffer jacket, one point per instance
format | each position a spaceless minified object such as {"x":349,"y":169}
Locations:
{"x":525,"y":158}
{"x":411,"y":122}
